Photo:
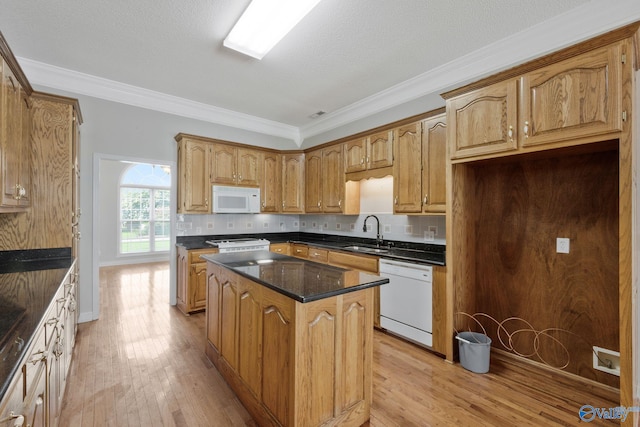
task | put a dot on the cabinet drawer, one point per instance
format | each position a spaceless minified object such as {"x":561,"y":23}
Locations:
{"x":300,"y":251}
{"x":318,"y":255}
{"x":194,"y":255}
{"x":356,"y":262}
{"x":280,"y":248}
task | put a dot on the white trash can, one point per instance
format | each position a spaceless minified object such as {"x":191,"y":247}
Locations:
{"x":474,"y":349}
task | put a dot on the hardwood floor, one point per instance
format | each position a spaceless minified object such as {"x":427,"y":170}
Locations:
{"x":142,"y":364}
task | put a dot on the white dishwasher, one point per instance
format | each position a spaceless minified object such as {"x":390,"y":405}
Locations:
{"x":406,"y":302}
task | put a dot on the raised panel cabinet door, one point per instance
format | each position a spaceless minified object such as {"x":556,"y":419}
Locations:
{"x":407,"y":170}
{"x":317,"y":336}
{"x":293,"y":183}
{"x":11,"y":137}
{"x":195,"y":172}
{"x":380,"y":150}
{"x":355,"y":155}
{"x":313,"y":181}
{"x":198,"y":286}
{"x":250,"y":336}
{"x":332,"y":179}
{"x":248,"y":167}
{"x":577,"y":97}
{"x":182,"y":279}
{"x":24,"y":174}
{"x":278,"y":331}
{"x":229,"y":320}
{"x":483,"y":121}
{"x":223,"y":164}
{"x":214,"y":285}
{"x":434,"y":160}
{"x":271,"y":183}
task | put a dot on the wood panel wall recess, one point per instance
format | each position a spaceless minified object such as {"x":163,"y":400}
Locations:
{"x":525,"y":206}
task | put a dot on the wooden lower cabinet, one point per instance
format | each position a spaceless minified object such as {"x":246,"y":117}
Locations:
{"x":191,"y":279}
{"x":290,"y":363}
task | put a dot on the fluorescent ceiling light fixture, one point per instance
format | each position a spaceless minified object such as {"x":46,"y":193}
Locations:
{"x":265,"y":23}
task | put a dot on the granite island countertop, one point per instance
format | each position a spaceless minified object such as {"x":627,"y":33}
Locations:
{"x":29,"y":280}
{"x":299,"y":279}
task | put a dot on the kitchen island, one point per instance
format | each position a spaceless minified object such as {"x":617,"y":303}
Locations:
{"x":293,"y":338}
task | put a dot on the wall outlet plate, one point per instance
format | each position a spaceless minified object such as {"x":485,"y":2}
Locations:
{"x":606,"y":360}
{"x":562,"y":245}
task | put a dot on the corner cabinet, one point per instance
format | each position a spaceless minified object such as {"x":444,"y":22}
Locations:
{"x":191,"y":279}
{"x":194,"y":186}
{"x":575,"y":98}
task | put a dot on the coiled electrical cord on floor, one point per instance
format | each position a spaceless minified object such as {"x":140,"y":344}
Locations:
{"x":506,"y":338}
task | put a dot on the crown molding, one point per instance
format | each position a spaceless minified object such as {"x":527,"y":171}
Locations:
{"x":594,"y":18}
{"x":72,"y":81}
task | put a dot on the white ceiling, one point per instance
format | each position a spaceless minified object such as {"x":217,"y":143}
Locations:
{"x":347,"y":57}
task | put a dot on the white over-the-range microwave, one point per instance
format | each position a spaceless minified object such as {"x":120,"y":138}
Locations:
{"x":230,"y":199}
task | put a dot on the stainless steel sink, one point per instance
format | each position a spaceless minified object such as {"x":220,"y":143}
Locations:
{"x":367,"y":249}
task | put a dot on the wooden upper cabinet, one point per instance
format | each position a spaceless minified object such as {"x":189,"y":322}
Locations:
{"x":484,"y":121}
{"x":235,"y":166}
{"x":372,"y":152}
{"x":293,"y":183}
{"x":355,"y":155}
{"x":380,"y":150}
{"x":407,"y":172}
{"x":574,"y":98}
{"x":313,"y":181}
{"x":271,"y":183}
{"x":325,"y":184}
{"x":579,"y":97}
{"x":434,"y":160}
{"x":193,"y":176}
{"x":332,"y":179}
{"x":15,"y":124}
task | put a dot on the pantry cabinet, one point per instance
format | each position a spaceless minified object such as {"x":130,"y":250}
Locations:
{"x":575,"y":98}
{"x":293,"y":183}
{"x":194,"y":186}
{"x":235,"y":165}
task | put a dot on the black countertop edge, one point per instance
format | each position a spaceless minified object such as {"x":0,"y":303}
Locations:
{"x":294,"y":296}
{"x":34,"y":259}
{"x":426,"y":252}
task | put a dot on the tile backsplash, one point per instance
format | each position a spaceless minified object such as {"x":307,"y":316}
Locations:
{"x":423,"y":229}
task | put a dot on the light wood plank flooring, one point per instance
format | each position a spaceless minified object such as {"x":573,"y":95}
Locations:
{"x":143,"y":364}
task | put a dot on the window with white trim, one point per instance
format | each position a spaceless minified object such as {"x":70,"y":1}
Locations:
{"x":144,"y":209}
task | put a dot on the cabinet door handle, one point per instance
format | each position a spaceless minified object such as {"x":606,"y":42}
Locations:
{"x":319,"y":203}
{"x":362,"y":161}
{"x":510,"y":133}
{"x":525,"y":130}
{"x":426,"y":199}
{"x":395,"y":201}
{"x":340,"y":203}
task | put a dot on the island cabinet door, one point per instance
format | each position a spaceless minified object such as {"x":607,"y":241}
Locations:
{"x":354,"y":353}
{"x":277,"y":355}
{"x":315,"y":361}
{"x":250,"y":335}
{"x":229,"y":320}
{"x":214,"y":285}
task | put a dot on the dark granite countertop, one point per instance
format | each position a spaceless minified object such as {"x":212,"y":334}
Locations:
{"x":425,"y":253}
{"x":299,"y":279}
{"x":29,"y":280}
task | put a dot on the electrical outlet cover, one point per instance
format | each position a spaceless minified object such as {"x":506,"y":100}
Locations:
{"x":562,"y":245}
